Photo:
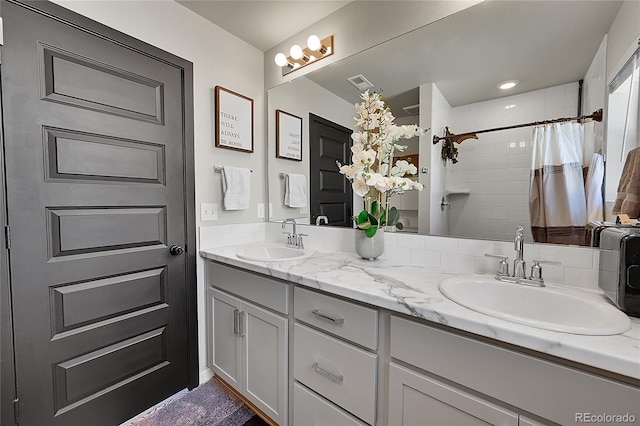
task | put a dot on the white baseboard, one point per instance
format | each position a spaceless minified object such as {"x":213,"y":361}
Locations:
{"x":206,"y":375}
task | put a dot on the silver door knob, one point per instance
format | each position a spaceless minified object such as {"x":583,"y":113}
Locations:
{"x":176,"y":250}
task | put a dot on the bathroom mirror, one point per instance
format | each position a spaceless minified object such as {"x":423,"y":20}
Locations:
{"x":446,"y":74}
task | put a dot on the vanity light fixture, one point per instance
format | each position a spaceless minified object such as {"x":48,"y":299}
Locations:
{"x":508,"y":84}
{"x":299,"y":57}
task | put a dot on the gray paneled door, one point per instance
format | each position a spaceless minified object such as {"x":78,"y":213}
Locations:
{"x":330,"y":192}
{"x":96,"y":188}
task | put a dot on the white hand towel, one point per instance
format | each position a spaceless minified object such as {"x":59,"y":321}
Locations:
{"x":236,"y":182}
{"x":295,"y":190}
{"x":593,"y":189}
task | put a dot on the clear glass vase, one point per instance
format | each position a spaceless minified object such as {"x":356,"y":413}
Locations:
{"x":369,"y":248}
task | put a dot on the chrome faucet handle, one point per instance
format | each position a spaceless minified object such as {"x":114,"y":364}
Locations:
{"x":503,"y":266}
{"x":536,"y":269}
{"x":299,"y":242}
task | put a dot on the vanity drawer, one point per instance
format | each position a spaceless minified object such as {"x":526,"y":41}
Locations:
{"x":257,"y":288}
{"x":342,"y":373}
{"x":344,"y":319}
{"x":310,"y":409}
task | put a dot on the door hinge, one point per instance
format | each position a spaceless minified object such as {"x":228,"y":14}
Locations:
{"x":7,"y":236}
{"x":16,"y":410}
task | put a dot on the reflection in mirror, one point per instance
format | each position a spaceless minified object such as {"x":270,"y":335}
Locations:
{"x":446,"y":75}
{"x":623,"y":141}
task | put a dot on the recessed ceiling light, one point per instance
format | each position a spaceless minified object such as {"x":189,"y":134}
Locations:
{"x":508,"y":84}
{"x":510,"y":106}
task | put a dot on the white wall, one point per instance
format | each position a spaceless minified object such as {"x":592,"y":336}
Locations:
{"x":594,"y":91}
{"x":426,"y":159}
{"x":299,"y":97}
{"x":441,"y":116}
{"x":623,"y":34}
{"x":218,"y":58}
{"x":496,"y":167}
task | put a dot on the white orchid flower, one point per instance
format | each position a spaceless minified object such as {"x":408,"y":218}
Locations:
{"x":357,"y":147}
{"x":381,"y":183}
{"x":360,"y":187}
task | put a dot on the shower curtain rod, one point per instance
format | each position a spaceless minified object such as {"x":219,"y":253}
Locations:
{"x":459,"y":138}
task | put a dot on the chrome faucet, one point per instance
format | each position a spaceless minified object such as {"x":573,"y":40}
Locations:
{"x":319,"y":220}
{"x":519,"y":265}
{"x":519,"y":272}
{"x":293,"y":239}
{"x":292,"y":222}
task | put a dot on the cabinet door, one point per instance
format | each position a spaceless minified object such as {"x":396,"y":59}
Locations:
{"x":418,"y":400}
{"x":226,"y":346}
{"x":264,"y":336}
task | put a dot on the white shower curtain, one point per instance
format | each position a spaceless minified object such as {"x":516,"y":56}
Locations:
{"x":557,"y":198}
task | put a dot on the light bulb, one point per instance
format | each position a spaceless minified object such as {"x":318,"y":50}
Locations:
{"x":281,"y":60}
{"x":313,"y":42}
{"x":296,"y":51}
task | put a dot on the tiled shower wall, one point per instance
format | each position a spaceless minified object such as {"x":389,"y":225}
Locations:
{"x":495,"y":168}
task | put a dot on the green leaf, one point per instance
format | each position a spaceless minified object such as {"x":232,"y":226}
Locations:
{"x":362,"y":217}
{"x":375,"y":209}
{"x":371,"y":231}
{"x":393,"y":216}
{"x":364,"y":225}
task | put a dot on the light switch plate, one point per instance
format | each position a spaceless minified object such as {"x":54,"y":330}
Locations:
{"x":270,"y":210}
{"x":208,"y":211}
{"x":260,"y":210}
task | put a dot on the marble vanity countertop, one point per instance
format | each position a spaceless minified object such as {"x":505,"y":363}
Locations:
{"x":413,"y":290}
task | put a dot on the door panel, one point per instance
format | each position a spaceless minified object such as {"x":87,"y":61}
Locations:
{"x":331,"y":193}
{"x":95,"y":170}
{"x":76,"y":80}
{"x":226,"y":347}
{"x":265,"y":369}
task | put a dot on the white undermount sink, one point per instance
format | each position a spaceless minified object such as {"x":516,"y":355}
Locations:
{"x":548,"y":308}
{"x":272,"y":253}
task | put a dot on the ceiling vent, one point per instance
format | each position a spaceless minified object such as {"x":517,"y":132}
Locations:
{"x":360,"y":82}
{"x":412,"y":109}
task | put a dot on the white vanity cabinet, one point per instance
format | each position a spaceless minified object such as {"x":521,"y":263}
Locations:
{"x":436,"y":372}
{"x":335,"y":362}
{"x":248,"y":329}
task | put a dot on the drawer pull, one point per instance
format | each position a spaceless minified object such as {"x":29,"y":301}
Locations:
{"x":235,"y":321}
{"x":324,"y":373}
{"x":334,"y":321}
{"x":241,"y":318}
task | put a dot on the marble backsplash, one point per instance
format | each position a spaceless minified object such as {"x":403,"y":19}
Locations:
{"x":579,"y":264}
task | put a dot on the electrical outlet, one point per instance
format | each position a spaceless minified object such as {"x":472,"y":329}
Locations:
{"x":260,"y":210}
{"x":208,"y":211}
{"x":270,"y":210}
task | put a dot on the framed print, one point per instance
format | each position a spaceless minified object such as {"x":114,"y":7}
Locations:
{"x":234,"y":120}
{"x":288,"y":136}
